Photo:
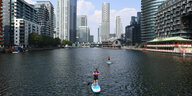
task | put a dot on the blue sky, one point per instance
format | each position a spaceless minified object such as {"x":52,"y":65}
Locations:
{"x":92,"y":8}
{"x":115,"y":4}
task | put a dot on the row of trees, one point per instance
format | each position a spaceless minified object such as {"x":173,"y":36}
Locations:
{"x":37,"y":40}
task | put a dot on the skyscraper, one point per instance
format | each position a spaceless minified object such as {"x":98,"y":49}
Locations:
{"x":83,"y":31}
{"x":149,"y":9}
{"x":81,"y":20}
{"x":1,"y":27}
{"x":43,"y":18}
{"x":6,"y":20}
{"x":138,"y":17}
{"x":63,"y":18}
{"x":73,"y":16}
{"x":66,"y":19}
{"x":118,"y":27}
{"x":133,"y":32}
{"x":50,"y":25}
{"x":83,"y":34}
{"x":99,"y":33}
{"x":133,"y":20}
{"x":105,"y":21}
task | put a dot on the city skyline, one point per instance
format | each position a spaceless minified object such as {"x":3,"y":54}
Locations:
{"x":93,"y":9}
{"x":140,"y":47}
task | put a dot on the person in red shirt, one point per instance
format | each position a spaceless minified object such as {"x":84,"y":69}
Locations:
{"x":109,"y":58}
{"x":96,"y":74}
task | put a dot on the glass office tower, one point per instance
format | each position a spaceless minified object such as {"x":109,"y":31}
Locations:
{"x":149,"y":9}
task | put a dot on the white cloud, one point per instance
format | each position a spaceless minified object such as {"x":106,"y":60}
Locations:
{"x":30,"y":1}
{"x":95,"y":16}
{"x":125,"y":14}
{"x":84,"y":7}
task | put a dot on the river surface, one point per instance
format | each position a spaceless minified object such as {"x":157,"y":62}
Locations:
{"x":68,"y":72}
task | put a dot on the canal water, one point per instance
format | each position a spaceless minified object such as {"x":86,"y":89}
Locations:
{"x":68,"y":72}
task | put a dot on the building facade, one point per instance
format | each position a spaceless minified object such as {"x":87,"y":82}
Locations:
{"x":133,"y":31}
{"x":66,"y":20}
{"x":1,"y":24}
{"x":6,"y":22}
{"x":133,"y":20}
{"x":174,"y":18}
{"x":22,"y":29}
{"x":112,"y":35}
{"x":99,"y":33}
{"x":91,"y":39}
{"x":83,"y":34}
{"x":43,"y":18}
{"x":23,"y":22}
{"x":118,"y":27}
{"x":138,"y":17}
{"x":50,"y":25}
{"x":149,"y":9}
{"x":82,"y":29}
{"x":63,"y":19}
{"x":105,"y":21}
{"x":73,"y":17}
{"x":132,"y":35}
{"x":81,"y":20}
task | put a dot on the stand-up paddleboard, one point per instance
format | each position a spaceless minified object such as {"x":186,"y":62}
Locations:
{"x":95,"y":88}
{"x":109,"y":62}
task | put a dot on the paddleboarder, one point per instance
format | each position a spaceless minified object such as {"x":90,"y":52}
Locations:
{"x":96,"y":74}
{"x":109,"y":58}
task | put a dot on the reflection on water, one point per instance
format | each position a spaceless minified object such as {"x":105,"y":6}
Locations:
{"x":69,"y":72}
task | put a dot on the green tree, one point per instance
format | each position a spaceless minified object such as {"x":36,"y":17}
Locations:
{"x":35,"y":39}
{"x":66,"y":42}
{"x":42,"y":41}
{"x":136,"y":45}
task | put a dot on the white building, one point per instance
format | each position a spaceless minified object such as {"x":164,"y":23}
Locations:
{"x":118,"y":27}
{"x":66,"y":20}
{"x":23,"y":24}
{"x":105,"y":21}
{"x":22,"y":29}
{"x":63,"y":19}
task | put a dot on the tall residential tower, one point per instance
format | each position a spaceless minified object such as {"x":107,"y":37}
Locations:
{"x":50,"y":25}
{"x":105,"y":21}
{"x":66,"y":20}
{"x":73,"y":17}
{"x":118,"y":27}
{"x":63,"y":18}
{"x":149,"y":9}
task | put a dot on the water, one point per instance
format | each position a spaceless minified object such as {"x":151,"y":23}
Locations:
{"x":68,"y":72}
